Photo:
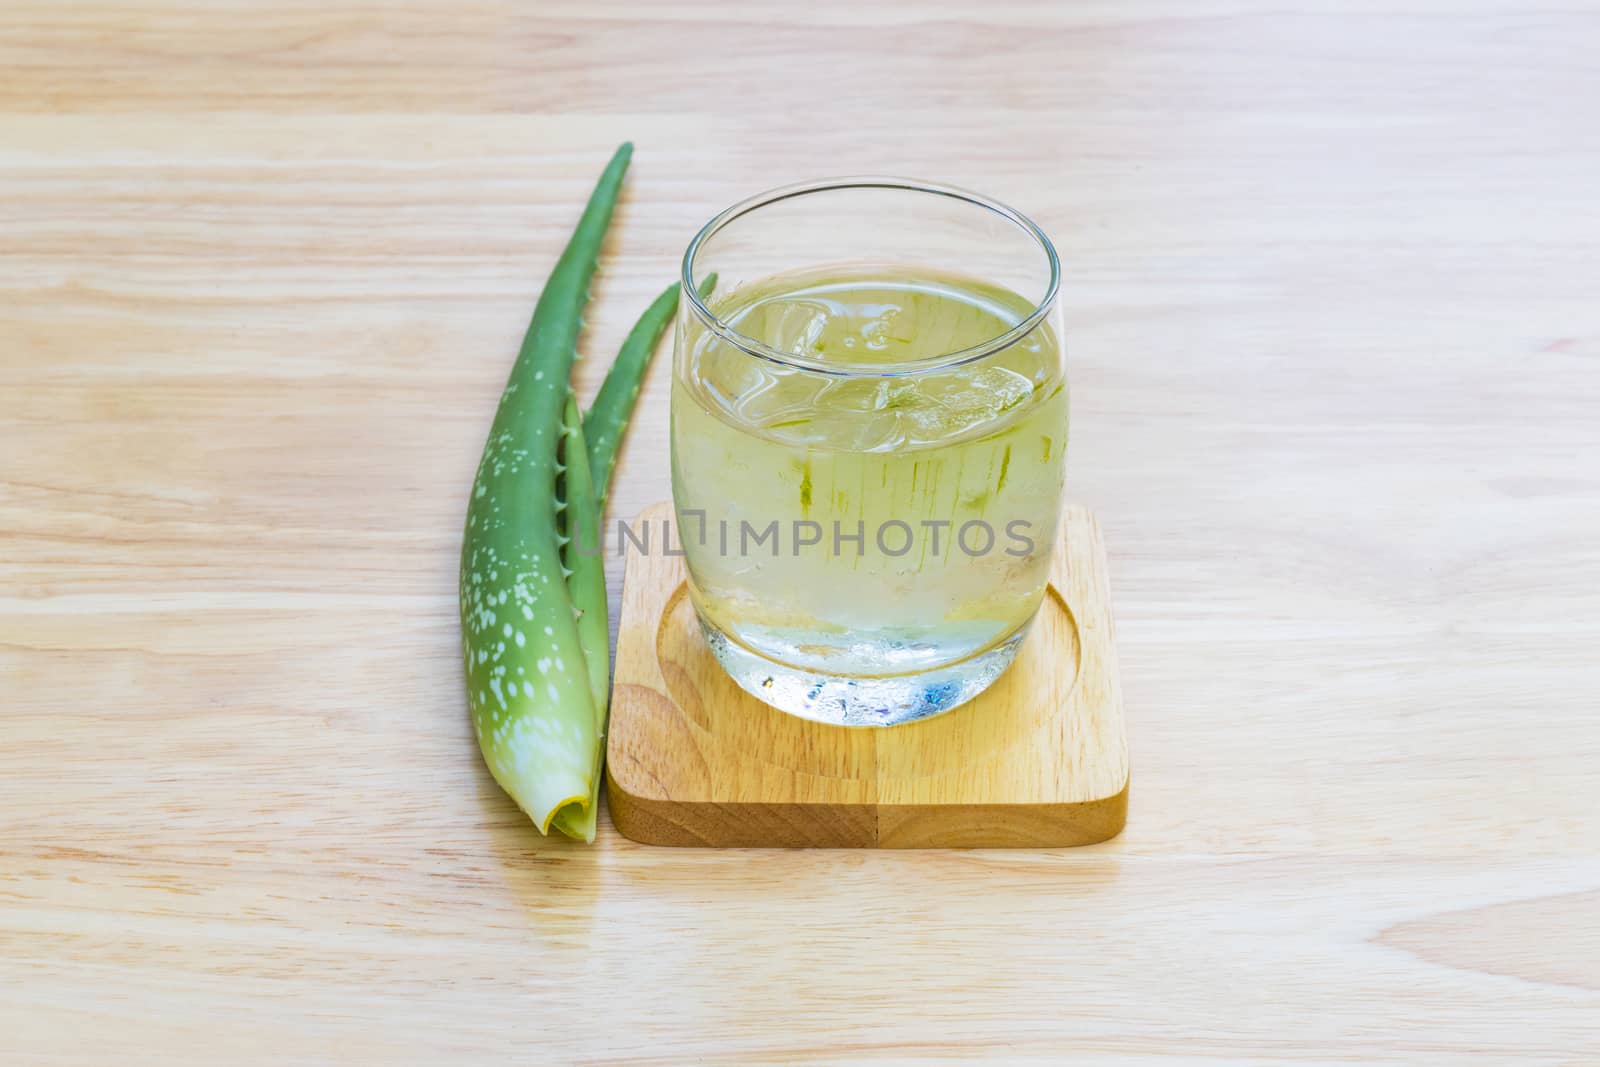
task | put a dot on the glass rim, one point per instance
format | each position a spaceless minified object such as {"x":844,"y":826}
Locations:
{"x":941,"y":361}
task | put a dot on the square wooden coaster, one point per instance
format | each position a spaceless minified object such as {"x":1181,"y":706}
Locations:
{"x":1040,"y":759}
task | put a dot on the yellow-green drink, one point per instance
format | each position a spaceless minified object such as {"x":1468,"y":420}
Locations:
{"x":867,"y":464}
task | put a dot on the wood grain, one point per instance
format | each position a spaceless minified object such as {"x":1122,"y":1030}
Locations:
{"x":1040,"y":759}
{"x":1329,"y":279}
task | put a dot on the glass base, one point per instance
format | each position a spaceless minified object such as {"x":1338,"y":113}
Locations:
{"x":846,"y":700}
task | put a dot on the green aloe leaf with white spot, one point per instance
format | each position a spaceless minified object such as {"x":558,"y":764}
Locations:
{"x":533,"y":603}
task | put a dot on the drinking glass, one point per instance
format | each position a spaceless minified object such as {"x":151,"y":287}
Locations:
{"x":869,"y":421}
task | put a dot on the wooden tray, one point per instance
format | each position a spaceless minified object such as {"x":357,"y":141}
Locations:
{"x":1039,"y":759}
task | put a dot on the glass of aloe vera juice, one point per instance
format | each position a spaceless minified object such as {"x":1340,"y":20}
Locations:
{"x":869,"y":422}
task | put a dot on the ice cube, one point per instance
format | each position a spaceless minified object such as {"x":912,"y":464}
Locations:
{"x":959,"y":401}
{"x":842,"y":431}
{"x":865,"y":394}
{"x":770,"y":394}
{"x":791,"y":324}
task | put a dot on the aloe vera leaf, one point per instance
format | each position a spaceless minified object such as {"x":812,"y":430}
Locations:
{"x":528,"y":691}
{"x":613,"y":404}
{"x":586,"y":579}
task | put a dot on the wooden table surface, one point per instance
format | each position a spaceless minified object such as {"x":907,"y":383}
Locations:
{"x":1331,"y":281}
